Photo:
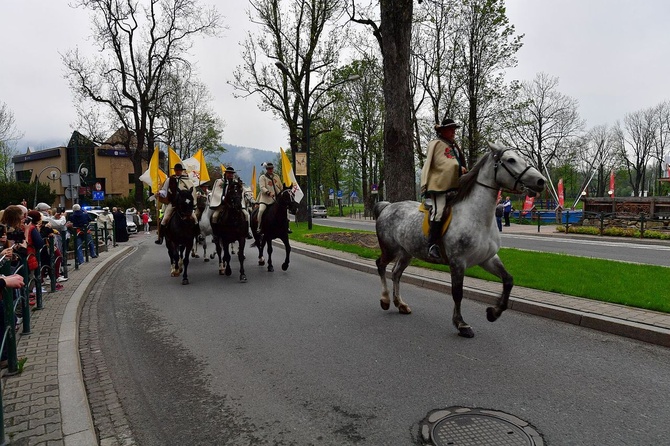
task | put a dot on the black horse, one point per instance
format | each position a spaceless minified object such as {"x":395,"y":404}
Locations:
{"x":274,"y":225}
{"x":230,"y":226}
{"x":180,"y":233}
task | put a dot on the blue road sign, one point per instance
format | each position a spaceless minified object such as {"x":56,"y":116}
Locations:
{"x":98,"y":195}
{"x":339,"y":193}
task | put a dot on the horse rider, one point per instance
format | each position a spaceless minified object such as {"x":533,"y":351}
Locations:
{"x":270,"y":185}
{"x":176,"y":182}
{"x":445,"y":163}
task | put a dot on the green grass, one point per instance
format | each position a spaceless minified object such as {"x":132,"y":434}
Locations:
{"x":642,"y":286}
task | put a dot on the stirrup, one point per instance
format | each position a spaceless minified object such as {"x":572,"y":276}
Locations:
{"x":434,"y":252}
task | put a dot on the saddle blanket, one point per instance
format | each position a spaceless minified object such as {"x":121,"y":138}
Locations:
{"x":425,"y":227}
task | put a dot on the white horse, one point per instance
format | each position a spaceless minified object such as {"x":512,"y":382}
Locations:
{"x":472,"y":237}
{"x":205,"y":231}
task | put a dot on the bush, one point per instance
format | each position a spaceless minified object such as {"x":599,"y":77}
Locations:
{"x":615,"y":232}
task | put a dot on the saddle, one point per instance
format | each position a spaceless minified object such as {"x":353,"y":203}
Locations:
{"x":425,"y":227}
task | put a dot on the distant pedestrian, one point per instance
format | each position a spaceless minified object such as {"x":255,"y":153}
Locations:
{"x":145,"y":221}
{"x":507,"y":205}
{"x":499,"y":215}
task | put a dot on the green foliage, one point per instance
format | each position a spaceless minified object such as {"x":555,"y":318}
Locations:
{"x":13,"y":192}
{"x":615,"y":232}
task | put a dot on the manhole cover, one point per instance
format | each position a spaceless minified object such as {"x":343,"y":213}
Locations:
{"x":463,"y":426}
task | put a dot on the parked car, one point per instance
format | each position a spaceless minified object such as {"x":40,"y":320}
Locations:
{"x":319,"y":211}
{"x":132,"y":220}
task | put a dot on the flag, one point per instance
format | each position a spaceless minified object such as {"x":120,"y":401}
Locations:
{"x":173,"y":159}
{"x":154,"y":176}
{"x":288,"y":177}
{"x":196,"y":167}
{"x":253,"y":182}
{"x":499,"y":195}
{"x":527,"y":205}
{"x":611,"y":191}
{"x":561,"y":194}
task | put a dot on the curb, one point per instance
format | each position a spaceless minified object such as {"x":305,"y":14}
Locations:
{"x":620,"y":327}
{"x":77,"y":421}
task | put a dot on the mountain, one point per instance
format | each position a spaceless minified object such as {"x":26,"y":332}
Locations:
{"x":243,"y":159}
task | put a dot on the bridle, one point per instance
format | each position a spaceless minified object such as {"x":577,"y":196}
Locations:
{"x":500,"y":163}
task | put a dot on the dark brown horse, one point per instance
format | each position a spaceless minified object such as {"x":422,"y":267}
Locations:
{"x":274,"y":225}
{"x":180,"y":233}
{"x":230,"y":226}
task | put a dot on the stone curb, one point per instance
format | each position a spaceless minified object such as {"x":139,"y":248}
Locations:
{"x":77,"y":422}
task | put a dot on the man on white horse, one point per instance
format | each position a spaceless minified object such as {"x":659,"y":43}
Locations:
{"x":169,"y":192}
{"x":270,"y":185}
{"x":445,"y":163}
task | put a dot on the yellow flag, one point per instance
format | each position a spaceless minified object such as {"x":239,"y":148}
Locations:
{"x":173,"y":159}
{"x":153,"y":170}
{"x":253,"y":182}
{"x":204,"y":173}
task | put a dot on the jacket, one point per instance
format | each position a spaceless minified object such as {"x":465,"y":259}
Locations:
{"x":442,"y":169}
{"x":268,"y":184}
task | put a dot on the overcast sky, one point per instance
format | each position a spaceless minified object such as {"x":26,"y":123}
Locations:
{"x":610,"y":55}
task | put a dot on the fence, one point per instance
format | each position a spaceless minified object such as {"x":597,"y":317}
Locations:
{"x":16,"y":303}
{"x":626,"y":221}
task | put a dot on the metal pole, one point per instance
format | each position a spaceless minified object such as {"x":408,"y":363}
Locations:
{"x":309,"y":174}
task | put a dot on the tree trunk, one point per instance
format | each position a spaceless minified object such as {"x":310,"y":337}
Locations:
{"x":396,"y":32}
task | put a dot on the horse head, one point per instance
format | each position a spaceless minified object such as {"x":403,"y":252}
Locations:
{"x":286,"y":198}
{"x":233,"y":198}
{"x":183,"y":202}
{"x":512,"y":172}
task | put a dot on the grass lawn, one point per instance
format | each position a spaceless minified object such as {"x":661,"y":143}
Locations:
{"x":642,"y":286}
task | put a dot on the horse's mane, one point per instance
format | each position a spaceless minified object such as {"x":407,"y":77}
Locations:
{"x":468,"y":181}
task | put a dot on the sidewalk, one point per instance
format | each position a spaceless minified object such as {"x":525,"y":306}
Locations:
{"x":47,"y":404}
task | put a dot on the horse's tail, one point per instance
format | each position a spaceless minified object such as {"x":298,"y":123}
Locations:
{"x":379,"y":207}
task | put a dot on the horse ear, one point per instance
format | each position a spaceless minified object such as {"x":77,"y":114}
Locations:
{"x":495,"y":148}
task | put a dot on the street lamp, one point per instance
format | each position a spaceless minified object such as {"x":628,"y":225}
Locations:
{"x":52,"y":176}
{"x":307,"y":122}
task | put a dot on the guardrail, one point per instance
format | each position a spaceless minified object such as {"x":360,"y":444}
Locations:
{"x":640,"y":222}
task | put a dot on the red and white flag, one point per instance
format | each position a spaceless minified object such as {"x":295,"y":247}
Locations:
{"x":611,"y":190}
{"x":527,"y":205}
{"x":561,"y":194}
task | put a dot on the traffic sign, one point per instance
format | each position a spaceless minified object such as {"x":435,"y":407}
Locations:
{"x":339,"y":193}
{"x":98,"y":186}
{"x":98,"y":195}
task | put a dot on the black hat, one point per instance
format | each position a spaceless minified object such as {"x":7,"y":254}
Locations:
{"x":269,"y":166}
{"x":446,"y":123}
{"x":178,"y":166}
{"x":230,"y":169}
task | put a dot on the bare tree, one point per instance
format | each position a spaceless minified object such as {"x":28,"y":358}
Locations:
{"x":543,"y":122}
{"x":662,"y":139}
{"x":185,"y":121}
{"x":139,"y":43}
{"x":290,"y":64}
{"x":597,"y":156}
{"x":8,"y":137}
{"x":636,"y":144}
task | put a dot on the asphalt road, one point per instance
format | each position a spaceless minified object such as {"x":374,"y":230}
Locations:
{"x":307,"y":357}
{"x":601,"y":248}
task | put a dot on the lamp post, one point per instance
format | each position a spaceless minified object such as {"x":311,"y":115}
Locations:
{"x":52,"y":176}
{"x":307,"y":122}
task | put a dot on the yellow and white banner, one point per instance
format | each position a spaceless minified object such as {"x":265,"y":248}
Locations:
{"x":288,"y":177}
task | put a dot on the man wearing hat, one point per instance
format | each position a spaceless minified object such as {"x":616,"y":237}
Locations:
{"x":270,"y":185}
{"x":169,"y":192}
{"x":445,"y":163}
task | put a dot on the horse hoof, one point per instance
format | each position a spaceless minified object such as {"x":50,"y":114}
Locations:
{"x":385,"y":305}
{"x":195,"y":256}
{"x":284,"y":266}
{"x":243,"y":278}
{"x":228,"y":272}
{"x":206,"y":260}
{"x":404,"y":309}
{"x":220,"y":272}
{"x":466,"y":332}
{"x":491,"y":315}
{"x":270,"y":268}
{"x":184,"y":282}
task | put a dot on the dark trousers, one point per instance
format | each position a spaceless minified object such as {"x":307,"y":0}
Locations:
{"x":506,"y":218}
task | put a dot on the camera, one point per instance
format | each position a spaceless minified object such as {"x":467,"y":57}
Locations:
{"x":27,"y":221}
{"x":17,"y":236}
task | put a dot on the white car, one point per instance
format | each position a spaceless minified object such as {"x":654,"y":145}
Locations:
{"x":319,"y":211}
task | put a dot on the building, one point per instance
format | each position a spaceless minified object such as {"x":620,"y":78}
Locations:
{"x":83,"y":172}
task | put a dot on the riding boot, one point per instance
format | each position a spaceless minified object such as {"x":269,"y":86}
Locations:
{"x":433,"y":237}
{"x":161,"y":228}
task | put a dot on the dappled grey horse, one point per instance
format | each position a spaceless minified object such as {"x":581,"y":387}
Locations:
{"x":472,"y":237}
